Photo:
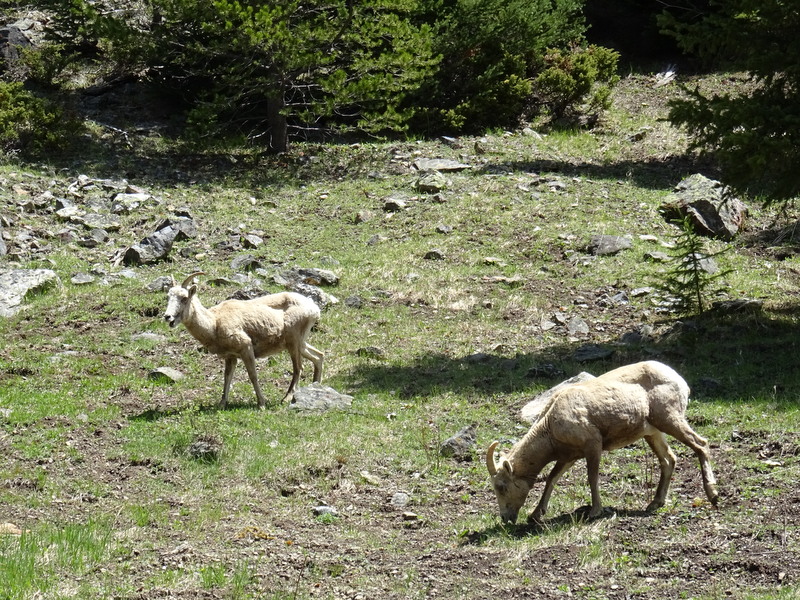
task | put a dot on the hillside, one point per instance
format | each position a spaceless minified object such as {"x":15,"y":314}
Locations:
{"x":457,"y":298}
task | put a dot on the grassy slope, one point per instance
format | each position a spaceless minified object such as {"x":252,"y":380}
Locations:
{"x":87,"y":439}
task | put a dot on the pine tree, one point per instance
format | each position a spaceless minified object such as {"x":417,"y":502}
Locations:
{"x":755,"y":135}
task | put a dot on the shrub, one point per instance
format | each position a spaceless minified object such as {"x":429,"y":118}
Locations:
{"x":30,"y":124}
{"x":577,"y":81}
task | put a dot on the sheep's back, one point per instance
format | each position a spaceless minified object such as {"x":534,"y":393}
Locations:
{"x":615,"y":412}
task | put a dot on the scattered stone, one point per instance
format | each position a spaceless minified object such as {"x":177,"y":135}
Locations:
{"x":577,"y":326}
{"x":603,"y":245}
{"x":548,"y":370}
{"x":439,"y":164}
{"x":711,"y":207}
{"x":364,"y":216}
{"x":400,"y":500}
{"x":432,"y":183}
{"x":392,"y":205}
{"x":592,"y":352}
{"x":100,"y":221}
{"x":166,"y":375}
{"x":354,"y":301}
{"x":444,"y":229}
{"x":158,"y":245}
{"x":533,"y":409}
{"x":325,"y":511}
{"x":460,"y":445}
{"x":740,"y":305}
{"x":205,"y":447}
{"x":321,"y":398}
{"x":318,"y":295}
{"x":82,"y":279}
{"x":434,"y":254}
{"x":123,"y":204}
{"x":245,"y":262}
{"x":16,"y":284}
{"x":309,"y":276}
{"x":160,"y":284}
{"x":9,"y":529}
{"x":251,"y":241}
{"x":371,"y":352}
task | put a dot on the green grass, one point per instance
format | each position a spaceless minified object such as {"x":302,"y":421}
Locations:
{"x":97,"y":467}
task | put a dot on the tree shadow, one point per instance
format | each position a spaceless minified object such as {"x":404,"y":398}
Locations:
{"x":736,"y":356}
{"x":156,"y":414}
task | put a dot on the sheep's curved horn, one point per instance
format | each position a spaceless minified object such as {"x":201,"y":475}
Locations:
{"x":188,"y":280}
{"x":490,"y":459}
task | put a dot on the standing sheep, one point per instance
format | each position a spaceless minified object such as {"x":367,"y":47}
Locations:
{"x":643,"y":400}
{"x":249,"y":329}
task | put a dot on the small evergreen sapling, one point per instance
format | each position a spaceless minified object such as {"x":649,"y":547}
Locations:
{"x":691,"y":279}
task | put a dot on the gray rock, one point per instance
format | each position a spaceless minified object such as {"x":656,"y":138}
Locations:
{"x":400,"y":500}
{"x":392,"y":205}
{"x":460,"y":445}
{"x":710,"y":206}
{"x":149,"y":336}
{"x":325,"y":511}
{"x":100,"y":221}
{"x":251,"y":241}
{"x":319,"y":398}
{"x":371,"y":352}
{"x":432,"y":183}
{"x":245,"y":262}
{"x":439,"y":164}
{"x":434,"y":254}
{"x":577,"y":326}
{"x":16,"y":284}
{"x":310,"y":276}
{"x":165,"y":374}
{"x":82,"y":279}
{"x":322,"y":298}
{"x":603,"y":245}
{"x":160,"y":284}
{"x":591,"y":352}
{"x":531,"y":412}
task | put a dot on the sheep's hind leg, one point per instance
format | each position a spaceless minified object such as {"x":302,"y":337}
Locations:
{"x":316,"y":357}
{"x":683,"y":432}
{"x":230,"y":366}
{"x":666,"y":461}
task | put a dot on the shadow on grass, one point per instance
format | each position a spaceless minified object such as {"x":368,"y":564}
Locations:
{"x":156,"y":414}
{"x":730,"y":357}
{"x":562,"y":522}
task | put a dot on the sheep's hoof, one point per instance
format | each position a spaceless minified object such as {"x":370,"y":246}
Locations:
{"x":654,"y":506}
{"x":535,"y":518}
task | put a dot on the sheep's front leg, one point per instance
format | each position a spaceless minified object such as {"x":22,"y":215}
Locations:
{"x":559,"y":469}
{"x":593,"y":451}
{"x":249,"y":360}
{"x":230,"y":366}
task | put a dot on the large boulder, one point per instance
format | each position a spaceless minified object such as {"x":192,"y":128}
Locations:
{"x":710,"y":206}
{"x":16,"y":284}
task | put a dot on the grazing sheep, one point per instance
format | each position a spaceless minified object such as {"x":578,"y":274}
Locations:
{"x":643,"y":400}
{"x":249,"y":329}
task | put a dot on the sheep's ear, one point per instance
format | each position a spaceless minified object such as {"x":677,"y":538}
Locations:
{"x":192,"y":289}
{"x":507,"y":466}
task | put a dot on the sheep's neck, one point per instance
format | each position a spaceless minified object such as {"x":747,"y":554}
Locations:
{"x":532,"y":453}
{"x":200,"y":322}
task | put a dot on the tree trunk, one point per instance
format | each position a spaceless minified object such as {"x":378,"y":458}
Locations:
{"x":278,"y":130}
